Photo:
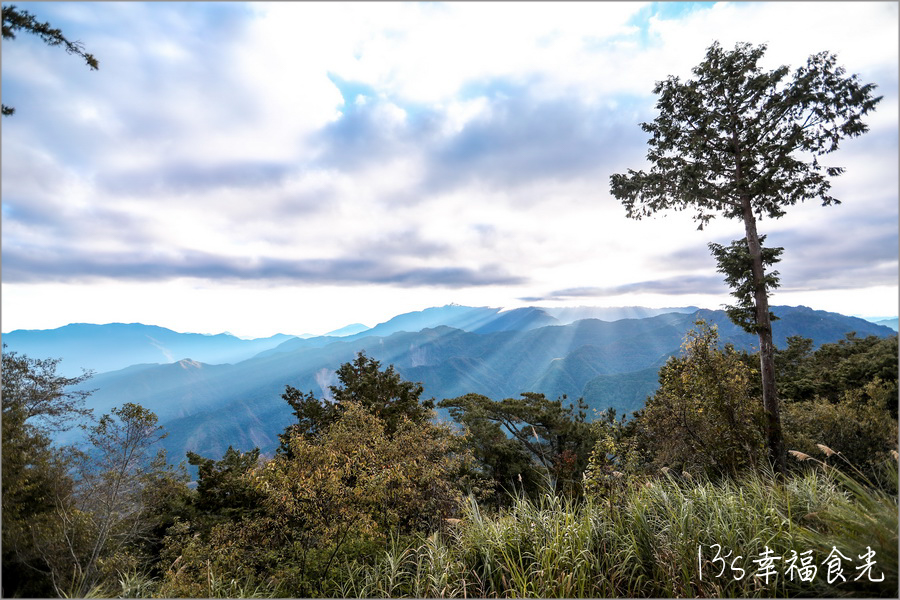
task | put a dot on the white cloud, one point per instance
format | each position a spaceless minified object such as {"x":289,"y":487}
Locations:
{"x":426,"y":53}
{"x":481,"y":137}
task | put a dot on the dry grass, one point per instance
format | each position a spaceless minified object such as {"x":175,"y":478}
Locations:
{"x":644,"y":542}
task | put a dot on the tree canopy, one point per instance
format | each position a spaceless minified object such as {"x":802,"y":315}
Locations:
{"x":700,"y":417}
{"x":737,"y":132}
{"x":381,"y":392}
{"x":515,"y":435}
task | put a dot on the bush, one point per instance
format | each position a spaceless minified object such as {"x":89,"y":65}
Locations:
{"x":335,"y":498}
{"x":703,"y":417}
{"x":858,"y":426}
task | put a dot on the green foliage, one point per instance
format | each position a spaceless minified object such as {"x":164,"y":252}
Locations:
{"x":400,"y":481}
{"x":15,"y":20}
{"x":503,"y":461}
{"x":793,"y":368}
{"x":329,"y":499}
{"x":383,"y":393}
{"x":313,"y":416}
{"x":224,"y":492}
{"x":165,"y":498}
{"x":736,"y":130}
{"x":844,"y":396}
{"x":230,"y":562}
{"x":702,"y":417}
{"x":858,"y":425}
{"x":645,"y":544}
{"x":736,"y":263}
{"x":528,"y":438}
{"x":835,"y":369}
{"x":36,"y":483}
{"x":617,"y":456}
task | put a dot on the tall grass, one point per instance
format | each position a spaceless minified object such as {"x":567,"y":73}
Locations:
{"x":863,"y":518}
{"x":643,"y":541}
{"x":656,"y":538}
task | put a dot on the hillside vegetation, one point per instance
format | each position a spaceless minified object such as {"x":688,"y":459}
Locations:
{"x":367,"y":494}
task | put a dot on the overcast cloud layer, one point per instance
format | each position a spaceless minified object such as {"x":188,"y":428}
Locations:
{"x":298,"y":166}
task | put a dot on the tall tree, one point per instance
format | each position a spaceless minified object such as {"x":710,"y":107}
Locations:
{"x":36,"y":402}
{"x":21,"y":20}
{"x":743,"y":143}
{"x":109,"y":493}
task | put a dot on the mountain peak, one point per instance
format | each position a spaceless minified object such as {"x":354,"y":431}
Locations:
{"x":351,"y":329}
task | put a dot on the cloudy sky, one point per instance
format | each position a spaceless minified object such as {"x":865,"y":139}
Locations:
{"x":295,"y":167}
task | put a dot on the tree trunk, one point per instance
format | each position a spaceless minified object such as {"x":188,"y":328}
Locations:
{"x":771,"y":403}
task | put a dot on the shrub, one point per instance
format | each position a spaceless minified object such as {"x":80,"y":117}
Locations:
{"x":338,"y":497}
{"x":858,"y":426}
{"x":703,"y":418}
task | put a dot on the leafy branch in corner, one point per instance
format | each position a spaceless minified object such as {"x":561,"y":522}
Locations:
{"x":21,"y":20}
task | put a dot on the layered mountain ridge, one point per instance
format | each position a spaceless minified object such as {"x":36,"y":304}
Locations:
{"x":456,"y":350}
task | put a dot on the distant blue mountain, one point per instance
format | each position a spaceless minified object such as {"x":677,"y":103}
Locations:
{"x":570,"y":314}
{"x":117,"y":345}
{"x":352,"y":329}
{"x":482,"y":320}
{"x":892,"y":323}
{"x":518,"y":319}
{"x":466,"y":318}
{"x":206,"y":408}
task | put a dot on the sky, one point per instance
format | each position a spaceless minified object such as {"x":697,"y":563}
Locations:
{"x":287,"y":167}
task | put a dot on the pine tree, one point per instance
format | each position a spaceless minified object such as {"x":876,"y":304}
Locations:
{"x":743,"y":143}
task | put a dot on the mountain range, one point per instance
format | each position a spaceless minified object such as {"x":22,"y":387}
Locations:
{"x":610,"y":357}
{"x":99,"y":348}
{"x":113,"y":346}
{"x":892,"y":323}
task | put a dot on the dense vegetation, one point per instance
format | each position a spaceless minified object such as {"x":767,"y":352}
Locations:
{"x":369,"y":495}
